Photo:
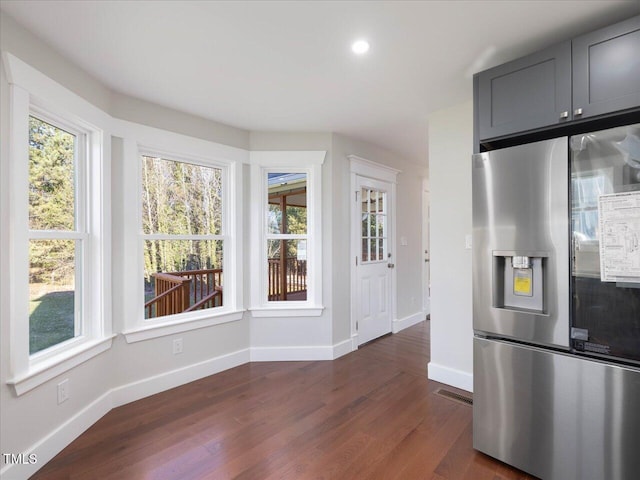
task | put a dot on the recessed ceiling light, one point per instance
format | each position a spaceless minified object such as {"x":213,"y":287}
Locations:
{"x":360,"y":47}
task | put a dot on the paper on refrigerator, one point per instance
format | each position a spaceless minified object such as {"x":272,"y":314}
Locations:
{"x":619,"y":219}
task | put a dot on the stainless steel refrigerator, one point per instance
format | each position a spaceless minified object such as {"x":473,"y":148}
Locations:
{"x":556,"y":305}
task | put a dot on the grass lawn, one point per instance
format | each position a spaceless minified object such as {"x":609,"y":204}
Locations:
{"x":51,"y":318}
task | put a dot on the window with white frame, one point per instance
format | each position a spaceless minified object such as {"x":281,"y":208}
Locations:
{"x":183,"y":235}
{"x":374,"y":216}
{"x":59,"y":239}
{"x":58,"y":233}
{"x":286,"y":236}
{"x":287,"y":251}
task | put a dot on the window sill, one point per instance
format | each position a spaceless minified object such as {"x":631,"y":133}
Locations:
{"x":287,"y":311}
{"x":50,"y":368}
{"x":178,"y":326}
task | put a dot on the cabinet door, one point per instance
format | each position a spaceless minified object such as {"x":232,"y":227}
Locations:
{"x":525,"y":94}
{"x":606,"y":69}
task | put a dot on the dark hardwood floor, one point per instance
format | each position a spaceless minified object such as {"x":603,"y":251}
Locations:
{"x":371,"y":414}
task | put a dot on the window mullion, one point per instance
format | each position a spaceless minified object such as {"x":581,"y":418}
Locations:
{"x":287,"y":236}
{"x":57,"y":235}
{"x":162,"y":236}
{"x":82,"y":201}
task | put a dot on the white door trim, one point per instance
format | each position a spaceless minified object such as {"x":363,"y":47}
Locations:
{"x":426,"y":248}
{"x":359,"y":166}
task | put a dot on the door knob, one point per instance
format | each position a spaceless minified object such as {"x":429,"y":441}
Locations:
{"x":390,"y":265}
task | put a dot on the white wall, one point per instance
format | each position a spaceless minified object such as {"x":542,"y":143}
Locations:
{"x":139,"y":111}
{"x":35,"y":423}
{"x":295,"y":337}
{"x":27,"y":419}
{"x":24,"y":45}
{"x":155,"y":356}
{"x":450,"y":149}
{"x":333,"y":327}
{"x":409,"y":224}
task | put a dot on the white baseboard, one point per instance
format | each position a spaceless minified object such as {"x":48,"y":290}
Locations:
{"x":354,"y":342}
{"x":342,"y":348}
{"x":406,"y":322}
{"x":450,"y":376}
{"x":174,"y":378}
{"x":291,"y":354}
{"x":49,"y":446}
{"x":297,"y":354}
{"x":52,"y":444}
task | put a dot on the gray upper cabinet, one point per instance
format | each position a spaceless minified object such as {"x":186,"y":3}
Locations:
{"x":606,"y":70}
{"x":525,"y":94}
{"x":595,"y":74}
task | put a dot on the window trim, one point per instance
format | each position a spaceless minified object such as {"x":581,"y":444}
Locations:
{"x":385,"y":227}
{"x":80,"y":233}
{"x":141,"y":139}
{"x":33,"y":93}
{"x":310,"y":163}
{"x":204,"y":162}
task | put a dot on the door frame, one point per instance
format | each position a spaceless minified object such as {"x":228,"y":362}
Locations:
{"x":426,"y":248}
{"x":361,"y":167}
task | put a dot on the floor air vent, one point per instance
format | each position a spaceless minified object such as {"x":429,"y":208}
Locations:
{"x":456,"y":397}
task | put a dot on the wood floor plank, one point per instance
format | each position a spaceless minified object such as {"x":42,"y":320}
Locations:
{"x":371,"y":414}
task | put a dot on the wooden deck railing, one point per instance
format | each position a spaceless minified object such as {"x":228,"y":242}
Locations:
{"x":294,"y":280}
{"x":178,"y":292}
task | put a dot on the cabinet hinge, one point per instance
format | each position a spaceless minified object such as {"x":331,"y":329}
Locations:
{"x":356,"y":260}
{"x":356,"y":326}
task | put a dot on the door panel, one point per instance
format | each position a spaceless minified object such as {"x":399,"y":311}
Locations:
{"x":605,"y":316}
{"x":606,"y":69}
{"x":366,"y":298}
{"x":554,"y":415}
{"x":520,"y":209}
{"x":373,"y":273}
{"x":525,"y":94}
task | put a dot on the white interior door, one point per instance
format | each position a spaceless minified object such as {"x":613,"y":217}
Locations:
{"x":374,"y":259}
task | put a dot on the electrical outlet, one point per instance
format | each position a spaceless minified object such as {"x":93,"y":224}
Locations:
{"x":63,"y":391}
{"x":177,"y":346}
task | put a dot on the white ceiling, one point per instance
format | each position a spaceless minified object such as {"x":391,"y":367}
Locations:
{"x":287,"y":66}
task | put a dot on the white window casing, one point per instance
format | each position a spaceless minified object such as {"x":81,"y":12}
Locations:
{"x":263,"y":163}
{"x":32,"y":93}
{"x":140,"y":140}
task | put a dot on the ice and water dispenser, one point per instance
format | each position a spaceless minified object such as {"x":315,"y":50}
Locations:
{"x":519,"y":281}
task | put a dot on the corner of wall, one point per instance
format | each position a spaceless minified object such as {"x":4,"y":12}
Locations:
{"x":450,"y":149}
